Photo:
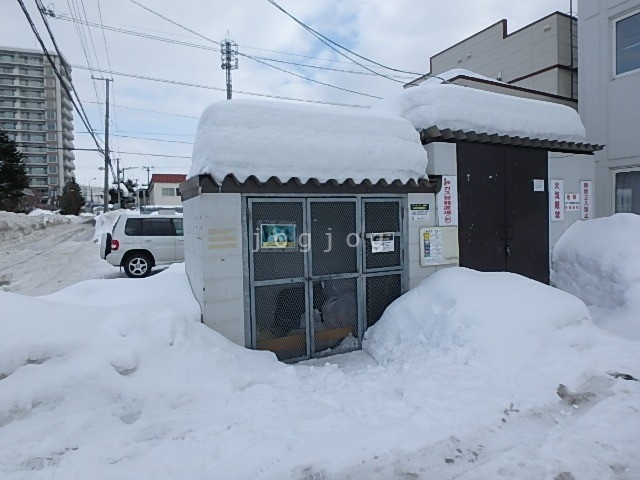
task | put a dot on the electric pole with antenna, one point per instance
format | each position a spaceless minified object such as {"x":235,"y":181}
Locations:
{"x":228,"y":52}
{"x":107,"y":162}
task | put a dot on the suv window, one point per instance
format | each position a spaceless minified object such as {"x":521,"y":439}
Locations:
{"x":133,"y":227}
{"x":177,"y":223}
{"x":157,"y":227}
{"x":153,"y":227}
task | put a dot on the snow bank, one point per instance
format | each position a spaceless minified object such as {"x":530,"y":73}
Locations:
{"x":599,"y":260}
{"x":464,"y":108}
{"x":497,"y":325}
{"x":283,"y":140}
{"x":14,"y":226}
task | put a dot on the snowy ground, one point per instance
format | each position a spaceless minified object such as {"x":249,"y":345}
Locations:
{"x":115,"y":378}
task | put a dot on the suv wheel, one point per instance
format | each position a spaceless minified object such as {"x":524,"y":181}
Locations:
{"x":138,"y":265}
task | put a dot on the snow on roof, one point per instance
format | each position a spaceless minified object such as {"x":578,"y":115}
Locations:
{"x":266,"y":139}
{"x":456,"y":107}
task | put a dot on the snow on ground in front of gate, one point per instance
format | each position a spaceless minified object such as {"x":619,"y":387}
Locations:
{"x":116,"y":378}
{"x":598,"y":261}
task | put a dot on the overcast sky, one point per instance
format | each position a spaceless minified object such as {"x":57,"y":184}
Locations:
{"x":402,"y":34}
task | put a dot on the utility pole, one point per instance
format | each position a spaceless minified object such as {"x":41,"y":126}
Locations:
{"x":106,"y":145}
{"x":148,"y":182}
{"x":118,"y":181}
{"x":228,"y":52}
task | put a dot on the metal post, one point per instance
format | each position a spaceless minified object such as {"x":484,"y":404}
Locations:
{"x":106,"y":151}
{"x":118,"y":180}
{"x":229,"y":50}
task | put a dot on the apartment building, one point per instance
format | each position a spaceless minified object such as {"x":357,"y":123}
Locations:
{"x":536,"y":61}
{"x":610,"y":99}
{"x":36,"y":112}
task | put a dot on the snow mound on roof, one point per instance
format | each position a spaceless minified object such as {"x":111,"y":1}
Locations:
{"x":457,"y":107}
{"x":497,"y":325}
{"x":287,"y":141}
{"x":598,"y":260}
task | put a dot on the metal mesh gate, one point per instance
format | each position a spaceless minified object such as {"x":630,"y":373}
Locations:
{"x":318,"y":275}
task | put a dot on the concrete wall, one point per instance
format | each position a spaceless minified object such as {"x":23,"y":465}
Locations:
{"x":571,"y":169}
{"x":442,"y":161}
{"x":609,"y":104}
{"x":214,"y":262}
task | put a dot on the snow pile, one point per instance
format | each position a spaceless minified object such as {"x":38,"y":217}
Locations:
{"x":283,"y":140}
{"x":110,"y":378}
{"x":38,"y":211}
{"x":106,"y":221}
{"x":14,"y":226}
{"x":455,"y":107}
{"x":598,"y":260}
{"x":494,"y":326}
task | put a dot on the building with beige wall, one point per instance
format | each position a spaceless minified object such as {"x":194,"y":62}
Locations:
{"x":540,"y":58}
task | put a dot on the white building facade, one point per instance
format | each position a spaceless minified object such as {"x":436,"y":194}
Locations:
{"x":36,"y":112}
{"x":609,"y":93}
{"x":164,"y":189}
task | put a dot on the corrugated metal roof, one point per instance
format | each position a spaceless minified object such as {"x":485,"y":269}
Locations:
{"x":434,"y":134}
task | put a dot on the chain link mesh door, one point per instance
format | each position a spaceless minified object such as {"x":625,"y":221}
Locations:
{"x":334,"y":274}
{"x":277,"y":269}
{"x":383,"y":264}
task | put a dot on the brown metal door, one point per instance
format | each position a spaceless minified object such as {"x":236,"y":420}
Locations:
{"x":503,"y":221}
{"x":481,"y":204}
{"x":527,"y":213}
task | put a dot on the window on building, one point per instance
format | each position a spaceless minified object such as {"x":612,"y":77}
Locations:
{"x":51,"y":136}
{"x":627,"y":43}
{"x":53,"y":180}
{"x":168,"y":192}
{"x":53,"y":168}
{"x":51,"y":115}
{"x":52,"y":158}
{"x":628,"y":192}
{"x":51,"y":126}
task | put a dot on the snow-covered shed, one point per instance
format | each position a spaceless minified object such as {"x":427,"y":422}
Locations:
{"x":516,"y":172}
{"x":296,"y":227}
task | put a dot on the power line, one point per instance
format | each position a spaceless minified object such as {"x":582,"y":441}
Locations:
{"x":152,"y":111}
{"x":330,"y":43}
{"x":174,"y":23}
{"x":173,"y":82}
{"x":55,"y":69}
{"x":256,"y":60}
{"x":204,"y":47}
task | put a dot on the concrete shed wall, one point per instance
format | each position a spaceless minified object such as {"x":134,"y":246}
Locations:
{"x":213,"y":255}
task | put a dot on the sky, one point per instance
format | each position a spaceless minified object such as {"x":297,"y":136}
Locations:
{"x":153,"y":123}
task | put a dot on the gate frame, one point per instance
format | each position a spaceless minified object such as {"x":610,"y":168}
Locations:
{"x":306,"y":199}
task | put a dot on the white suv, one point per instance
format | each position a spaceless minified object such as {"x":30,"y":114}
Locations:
{"x":140,"y":242}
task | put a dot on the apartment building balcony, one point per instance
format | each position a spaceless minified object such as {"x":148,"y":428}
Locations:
{"x":67,"y":113}
{"x":66,"y":103}
{"x":31,"y":105}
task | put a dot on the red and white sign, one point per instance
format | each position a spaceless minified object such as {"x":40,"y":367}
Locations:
{"x":571,"y":202}
{"x":586,"y":205}
{"x":556,"y":200}
{"x":448,"y":201}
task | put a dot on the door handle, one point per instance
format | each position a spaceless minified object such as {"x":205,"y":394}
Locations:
{"x":508,"y":248}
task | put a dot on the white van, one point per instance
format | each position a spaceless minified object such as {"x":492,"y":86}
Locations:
{"x":140,"y":242}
